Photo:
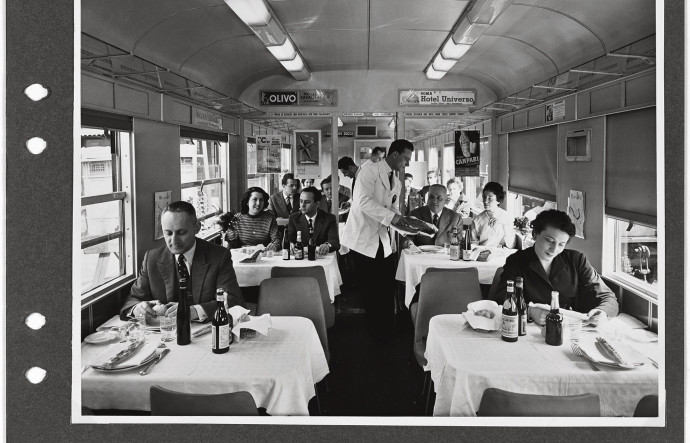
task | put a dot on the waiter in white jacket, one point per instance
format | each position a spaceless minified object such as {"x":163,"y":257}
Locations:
{"x":374,"y":208}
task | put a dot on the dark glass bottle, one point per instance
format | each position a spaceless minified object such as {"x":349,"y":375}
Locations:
{"x":454,"y":245}
{"x":311,"y":246}
{"x":299,"y":247}
{"x":521,"y":306}
{"x":554,"y":323}
{"x":184,"y":333}
{"x":466,"y":244}
{"x":220,"y":326}
{"x":286,"y":246}
{"x":509,"y":324}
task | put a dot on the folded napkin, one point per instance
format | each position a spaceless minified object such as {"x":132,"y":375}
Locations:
{"x":113,"y":322}
{"x":414,"y":249}
{"x":145,"y":351}
{"x":481,"y":322}
{"x":259,"y":324}
{"x":597,"y":353}
{"x":237,"y":312}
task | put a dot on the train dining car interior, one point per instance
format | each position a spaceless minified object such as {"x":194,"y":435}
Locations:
{"x":369,"y":208}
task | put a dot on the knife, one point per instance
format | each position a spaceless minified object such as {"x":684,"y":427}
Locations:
{"x":153,"y":363}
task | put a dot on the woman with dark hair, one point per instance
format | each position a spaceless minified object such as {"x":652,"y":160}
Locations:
{"x":253,"y":225}
{"x":548,"y":266}
{"x":494,"y":226}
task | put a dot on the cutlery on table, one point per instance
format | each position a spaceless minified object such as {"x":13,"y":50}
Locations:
{"x":153,"y":363}
{"x":577,"y":351}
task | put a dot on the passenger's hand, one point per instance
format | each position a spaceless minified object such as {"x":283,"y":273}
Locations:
{"x":172,"y":310}
{"x":538,"y":315}
{"x":595,"y":316}
{"x":272,"y":247}
{"x":322,"y":249}
{"x":145,"y":308}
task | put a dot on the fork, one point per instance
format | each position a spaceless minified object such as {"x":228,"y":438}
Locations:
{"x":577,"y":351}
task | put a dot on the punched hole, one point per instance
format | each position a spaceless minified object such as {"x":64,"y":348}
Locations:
{"x":35,"y":321}
{"x":35,"y":375}
{"x":36,"y":145}
{"x":36,"y":92}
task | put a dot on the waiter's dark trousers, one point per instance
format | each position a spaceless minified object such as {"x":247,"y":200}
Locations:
{"x":375,"y":281}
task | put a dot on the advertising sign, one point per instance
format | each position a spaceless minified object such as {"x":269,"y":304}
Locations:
{"x":307,"y":152}
{"x":268,"y":154}
{"x":437,"y":97}
{"x":203,"y":117}
{"x":555,"y":111}
{"x":299,"y":97}
{"x":467,"y":153}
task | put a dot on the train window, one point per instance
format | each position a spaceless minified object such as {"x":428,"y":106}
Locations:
{"x":631,"y":257}
{"x":203,"y":172}
{"x":520,"y":205}
{"x":106,"y":215}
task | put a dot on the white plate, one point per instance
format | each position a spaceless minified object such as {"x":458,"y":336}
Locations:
{"x":101,"y":337}
{"x":431,"y":248}
{"x":144,"y":362}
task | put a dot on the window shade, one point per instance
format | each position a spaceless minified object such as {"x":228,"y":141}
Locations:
{"x":631,"y":166}
{"x":100,"y":119}
{"x":204,"y":135}
{"x":532,"y":162}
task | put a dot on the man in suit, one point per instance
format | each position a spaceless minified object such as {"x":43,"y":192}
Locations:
{"x":326,"y":199}
{"x":324,"y":225}
{"x":349,"y":169}
{"x":374,"y":208}
{"x":432,"y":178}
{"x":209,"y":267}
{"x":412,"y":198}
{"x":284,"y":202}
{"x":437,"y":214}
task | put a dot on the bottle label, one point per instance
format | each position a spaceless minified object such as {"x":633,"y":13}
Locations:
{"x":286,"y":254}
{"x":299,"y":254}
{"x":455,"y":252}
{"x":523,"y":324}
{"x":466,"y":254}
{"x":509,"y":326}
{"x":220,"y":336}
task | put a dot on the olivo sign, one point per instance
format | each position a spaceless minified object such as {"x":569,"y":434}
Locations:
{"x":299,"y":97}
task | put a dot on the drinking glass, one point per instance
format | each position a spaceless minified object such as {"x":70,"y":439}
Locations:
{"x":168,"y":328}
{"x":573,"y":327}
{"x":446,"y":248}
{"x":137,"y":329}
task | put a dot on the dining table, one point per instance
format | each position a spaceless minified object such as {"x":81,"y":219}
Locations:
{"x":465,"y":362}
{"x":279,"y":369}
{"x":412,"y":265}
{"x":252,"y":274}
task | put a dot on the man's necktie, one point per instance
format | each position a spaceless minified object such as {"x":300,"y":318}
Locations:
{"x":289,"y":204}
{"x":182,"y":271}
{"x":435,"y":221}
{"x":330,"y":203}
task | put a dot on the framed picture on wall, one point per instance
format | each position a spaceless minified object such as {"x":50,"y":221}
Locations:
{"x":161,"y":200}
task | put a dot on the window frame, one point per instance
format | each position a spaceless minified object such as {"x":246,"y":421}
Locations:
{"x":122,"y":173}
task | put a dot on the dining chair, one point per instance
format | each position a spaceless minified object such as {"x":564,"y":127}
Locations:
{"x":320,"y":275}
{"x":294,"y":296}
{"x":647,"y":407}
{"x":414,"y":307}
{"x":442,"y":291}
{"x":499,"y":403}
{"x":167,"y":402}
{"x":494,"y":284}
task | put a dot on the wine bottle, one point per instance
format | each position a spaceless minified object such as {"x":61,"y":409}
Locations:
{"x":466,"y":244}
{"x":220,"y":326}
{"x":311,"y":246}
{"x":454,"y":245}
{"x":184,"y":332}
{"x":554,"y":323}
{"x":509,"y":324}
{"x":299,"y":248}
{"x":521,"y":307}
{"x":286,"y":246}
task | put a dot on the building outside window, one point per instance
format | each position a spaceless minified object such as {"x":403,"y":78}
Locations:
{"x":106,"y":209}
{"x":631,"y":255}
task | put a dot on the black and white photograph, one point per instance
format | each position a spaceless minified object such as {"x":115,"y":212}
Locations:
{"x":220,"y":262}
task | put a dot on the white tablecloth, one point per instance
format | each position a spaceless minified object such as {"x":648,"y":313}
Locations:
{"x":279,"y":370}
{"x":252,"y":274}
{"x":464,"y":362}
{"x":411,"y":267}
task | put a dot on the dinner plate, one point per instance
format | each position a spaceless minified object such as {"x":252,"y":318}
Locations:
{"x":144,"y":362}
{"x":101,"y":337}
{"x":431,"y":248}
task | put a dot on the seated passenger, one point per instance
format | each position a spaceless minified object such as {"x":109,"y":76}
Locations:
{"x":307,"y":182}
{"x":285,"y":202}
{"x":325,"y":203}
{"x":252,"y":225}
{"x":324,"y":224}
{"x":412,"y":198}
{"x":435,"y":213}
{"x":209,"y":267}
{"x":456,"y":199}
{"x":493,"y":227}
{"x":547,"y":267}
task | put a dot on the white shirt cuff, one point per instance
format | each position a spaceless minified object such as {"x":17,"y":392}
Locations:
{"x":388,"y":219}
{"x":200,"y":313}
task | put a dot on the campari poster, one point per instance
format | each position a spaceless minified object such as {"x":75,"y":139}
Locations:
{"x":466,"y":153}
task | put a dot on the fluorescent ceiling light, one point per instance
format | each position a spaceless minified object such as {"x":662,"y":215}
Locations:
{"x":468,"y":33}
{"x":452,"y":50}
{"x":252,"y":12}
{"x":487,"y":11}
{"x":433,"y":74}
{"x":270,"y":34}
{"x":294,"y":65}
{"x":443,"y":64}
{"x":283,"y":52}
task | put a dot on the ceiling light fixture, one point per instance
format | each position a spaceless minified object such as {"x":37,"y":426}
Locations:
{"x":257,"y":15}
{"x":473,"y":22}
